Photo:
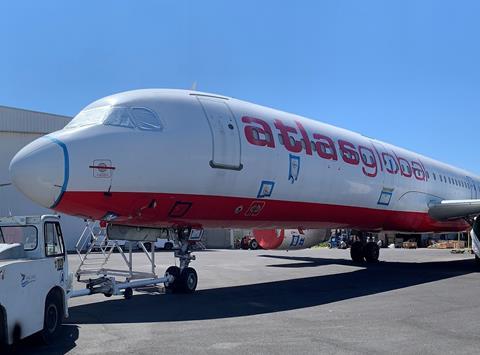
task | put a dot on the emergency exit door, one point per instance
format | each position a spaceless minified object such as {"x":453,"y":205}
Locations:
{"x":226,"y":152}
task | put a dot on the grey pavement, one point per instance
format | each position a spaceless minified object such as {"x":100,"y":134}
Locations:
{"x":278,"y":302}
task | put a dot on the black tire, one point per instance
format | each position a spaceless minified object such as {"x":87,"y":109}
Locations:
{"x":253,"y":244}
{"x":188,"y":280}
{"x":168,"y":246}
{"x":356,"y":252}
{"x":53,"y":317}
{"x":148,"y":246}
{"x":175,"y":272}
{"x":329,"y":245}
{"x":128,"y":293}
{"x":371,"y":252}
{"x":3,"y":331}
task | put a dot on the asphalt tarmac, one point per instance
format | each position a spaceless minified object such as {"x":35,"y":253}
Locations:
{"x":278,"y":302}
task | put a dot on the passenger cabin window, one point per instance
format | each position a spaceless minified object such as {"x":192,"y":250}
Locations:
{"x":146,"y":119}
{"x":53,"y":240}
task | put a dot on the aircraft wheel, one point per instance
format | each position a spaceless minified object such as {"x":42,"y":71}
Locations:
{"x":371,"y":252}
{"x":188,"y":280}
{"x":128,"y":293}
{"x":356,"y":252}
{"x":253,"y":244}
{"x":52,"y":318}
{"x":175,"y":272}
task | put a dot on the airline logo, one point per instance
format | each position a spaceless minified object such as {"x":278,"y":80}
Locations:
{"x":296,"y":139}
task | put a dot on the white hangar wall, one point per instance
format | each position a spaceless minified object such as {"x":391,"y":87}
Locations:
{"x":18,"y":128}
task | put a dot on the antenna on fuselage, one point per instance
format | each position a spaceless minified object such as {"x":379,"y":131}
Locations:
{"x":194,"y":86}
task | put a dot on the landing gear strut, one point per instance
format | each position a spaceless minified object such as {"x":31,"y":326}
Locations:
{"x":364,"y":250}
{"x":185,"y":278}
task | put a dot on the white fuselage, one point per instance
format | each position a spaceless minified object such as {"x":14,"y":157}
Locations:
{"x":212,"y":161}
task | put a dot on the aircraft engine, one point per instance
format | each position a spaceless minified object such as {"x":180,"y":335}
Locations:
{"x":290,"y":239}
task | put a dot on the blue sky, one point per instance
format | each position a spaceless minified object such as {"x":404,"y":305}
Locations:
{"x":407,"y":72}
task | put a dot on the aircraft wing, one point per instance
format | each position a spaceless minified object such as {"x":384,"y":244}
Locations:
{"x":454,"y":209}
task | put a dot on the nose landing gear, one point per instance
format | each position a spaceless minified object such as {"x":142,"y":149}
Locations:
{"x":185,"y":278}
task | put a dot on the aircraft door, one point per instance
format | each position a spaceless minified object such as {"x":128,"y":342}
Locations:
{"x":473,"y":188}
{"x":226,"y":152}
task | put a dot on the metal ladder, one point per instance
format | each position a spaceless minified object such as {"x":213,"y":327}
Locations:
{"x":94,"y":250}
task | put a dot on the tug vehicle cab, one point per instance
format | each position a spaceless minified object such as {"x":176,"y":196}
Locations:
{"x":33,"y":277}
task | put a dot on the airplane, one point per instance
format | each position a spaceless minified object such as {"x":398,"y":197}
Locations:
{"x":187,"y":160}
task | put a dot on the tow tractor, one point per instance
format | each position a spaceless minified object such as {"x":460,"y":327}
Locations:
{"x":35,"y":282}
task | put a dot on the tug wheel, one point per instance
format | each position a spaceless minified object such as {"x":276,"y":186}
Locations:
{"x":175,"y":272}
{"x":128,"y":293}
{"x":53,"y":317}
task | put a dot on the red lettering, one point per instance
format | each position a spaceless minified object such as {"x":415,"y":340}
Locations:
{"x":390,"y":163}
{"x":378,"y":155}
{"x":418,"y":171}
{"x":291,"y":144}
{"x":405,"y":168}
{"x":368,"y":159}
{"x":349,"y":154}
{"x":262,"y":135}
{"x":325,"y":147}
{"x":308,"y":147}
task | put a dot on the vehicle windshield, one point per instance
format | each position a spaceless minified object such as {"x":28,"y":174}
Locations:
{"x":89,"y":117}
{"x":26,"y":235}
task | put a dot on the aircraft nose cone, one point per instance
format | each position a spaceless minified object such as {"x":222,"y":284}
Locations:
{"x":40,"y":171}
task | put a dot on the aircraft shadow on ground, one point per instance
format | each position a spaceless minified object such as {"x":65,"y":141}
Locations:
{"x":270,"y":297}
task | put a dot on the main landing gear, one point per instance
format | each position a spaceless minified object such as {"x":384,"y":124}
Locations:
{"x":185,"y":278}
{"x":364,"y":250}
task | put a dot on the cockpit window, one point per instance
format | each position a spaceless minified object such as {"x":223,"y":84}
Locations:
{"x":145,"y":119}
{"x":89,"y":117}
{"x":119,"y":116}
{"x":136,"y":117}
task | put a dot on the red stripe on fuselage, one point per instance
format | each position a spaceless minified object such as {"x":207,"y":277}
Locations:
{"x":136,"y":208}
